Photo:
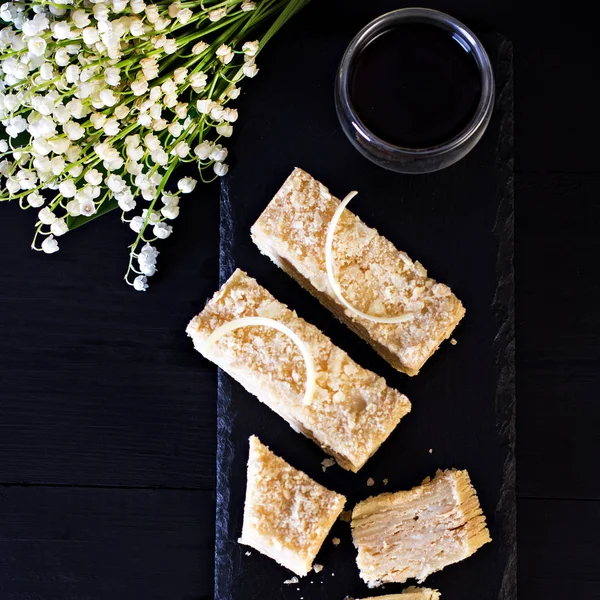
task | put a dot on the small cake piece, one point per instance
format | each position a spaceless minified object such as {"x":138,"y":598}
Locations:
{"x":352,"y":410}
{"x":374,"y":277}
{"x":415,"y":533}
{"x":411,"y":593}
{"x":287,"y":515}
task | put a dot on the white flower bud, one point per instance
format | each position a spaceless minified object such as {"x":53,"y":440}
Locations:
{"x":217,"y":112}
{"x":37,"y":46}
{"x":171,"y":199}
{"x":59,"y":227}
{"x":160,"y":157}
{"x":108,"y":97}
{"x":101,"y":12}
{"x":136,"y":224}
{"x":111,"y":127}
{"x":170,"y":46}
{"x":161,"y":24}
{"x":233,"y":92}
{"x":203,"y":150}
{"x":127,"y":203}
{"x":230,"y":114}
{"x":72,"y":73}
{"x":220,"y":169}
{"x":50,"y":245}
{"x":175,"y":129}
{"x":139,"y":86}
{"x":152,"y":14}
{"x":35,"y":200}
{"x":73,"y":208}
{"x":140,"y":283}
{"x":169,"y":211}
{"x":186,"y":185}
{"x":205,"y":106}
{"x":181,"y":149}
{"x":162,"y":231}
{"x":250,"y":69}
{"x":73,"y":130}
{"x":225,"y":54}
{"x":217,"y":14}
{"x":181,"y":110}
{"x":199,"y":48}
{"x":179,"y":76}
{"x":136,"y":27}
{"x":93,"y":177}
{"x":67,"y":188}
{"x":250,"y":48}
{"x":218,"y":153}
{"x":225,"y":130}
{"x":80,"y":18}
{"x":159,"y":124}
{"x":137,"y":6}
{"x":46,"y":216}
{"x":134,"y":153}
{"x":90,"y":36}
{"x":121,"y":111}
{"x":75,"y":170}
{"x":152,"y":142}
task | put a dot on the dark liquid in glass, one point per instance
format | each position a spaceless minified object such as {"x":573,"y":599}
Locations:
{"x":415,"y":86}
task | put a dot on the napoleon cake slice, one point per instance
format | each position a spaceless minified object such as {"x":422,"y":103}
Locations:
{"x":297,"y":371}
{"x":386,"y":298}
{"x":405,"y":535}
{"x":287,"y":515}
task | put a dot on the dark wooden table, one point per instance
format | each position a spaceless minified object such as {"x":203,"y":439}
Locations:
{"x":107,"y":428}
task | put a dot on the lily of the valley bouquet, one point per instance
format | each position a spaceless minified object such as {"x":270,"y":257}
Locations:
{"x":102,"y":101}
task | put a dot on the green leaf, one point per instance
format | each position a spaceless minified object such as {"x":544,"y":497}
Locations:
{"x":107,"y":206}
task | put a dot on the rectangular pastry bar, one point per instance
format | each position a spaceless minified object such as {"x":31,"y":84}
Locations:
{"x":415,"y":533}
{"x":352,"y":411}
{"x":374,"y":277}
{"x":287,"y":515}
{"x":411,"y":593}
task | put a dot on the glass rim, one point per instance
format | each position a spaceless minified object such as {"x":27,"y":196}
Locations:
{"x":438,"y":19}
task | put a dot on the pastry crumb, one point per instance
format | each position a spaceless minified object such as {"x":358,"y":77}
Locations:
{"x":291,"y":581}
{"x":248,"y":553}
{"x":370,"y":482}
{"x":430,"y":450}
{"x":346,"y":516}
{"x":453,"y":342}
{"x":386,"y":481}
{"x":318,"y":568}
{"x":336,"y":541}
{"x":326,"y":463}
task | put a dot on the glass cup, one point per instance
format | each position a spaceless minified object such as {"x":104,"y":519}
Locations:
{"x":414,"y":160}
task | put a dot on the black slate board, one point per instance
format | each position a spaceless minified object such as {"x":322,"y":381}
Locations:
{"x":459,"y":224}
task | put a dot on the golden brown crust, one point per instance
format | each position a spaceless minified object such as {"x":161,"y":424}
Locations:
{"x":375,"y":277}
{"x":353,"y":410}
{"x":287,"y":515}
{"x":413,"y":533}
{"x":410,"y":593}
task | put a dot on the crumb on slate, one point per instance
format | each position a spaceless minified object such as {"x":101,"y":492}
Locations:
{"x":370,"y":482}
{"x":386,"y":481}
{"x":430,"y":450}
{"x":248,"y":553}
{"x":336,"y":541}
{"x":290,"y":581}
{"x":453,"y":342}
{"x":346,"y":516}
{"x":326,"y":463}
{"x":318,"y":568}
